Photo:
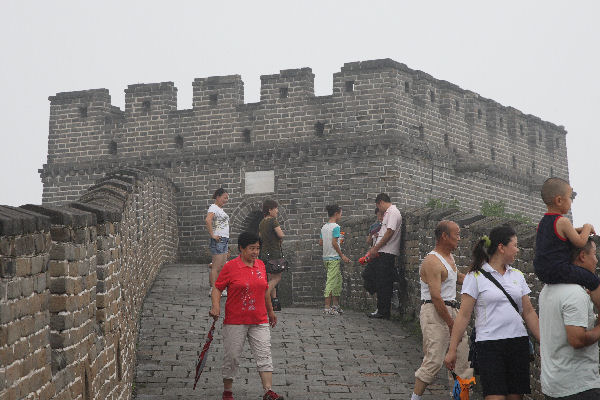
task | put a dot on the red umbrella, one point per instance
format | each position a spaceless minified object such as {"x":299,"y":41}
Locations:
{"x":202,"y":357}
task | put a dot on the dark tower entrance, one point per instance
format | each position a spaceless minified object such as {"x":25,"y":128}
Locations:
{"x":252,"y":221}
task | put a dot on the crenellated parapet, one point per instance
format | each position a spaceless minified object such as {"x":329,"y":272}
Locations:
{"x":72,"y":281}
{"x":384,"y":127}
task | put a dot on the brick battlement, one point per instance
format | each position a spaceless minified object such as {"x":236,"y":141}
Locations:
{"x":72,"y":281}
{"x":384,"y":128}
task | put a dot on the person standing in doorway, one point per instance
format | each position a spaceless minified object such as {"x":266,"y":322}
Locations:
{"x":271,"y":237}
{"x":217,"y":223}
{"x":386,"y":249}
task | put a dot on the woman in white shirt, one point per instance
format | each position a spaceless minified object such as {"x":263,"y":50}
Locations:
{"x":502,"y":341}
{"x":217,"y":223}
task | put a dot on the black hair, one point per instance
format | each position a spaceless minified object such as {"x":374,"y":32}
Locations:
{"x":553,"y":187}
{"x":333,"y":209}
{"x":219,"y":192}
{"x":481,"y":254}
{"x":246,"y":239}
{"x":382,"y":197}
{"x":578,"y":250}
{"x":268,"y":205}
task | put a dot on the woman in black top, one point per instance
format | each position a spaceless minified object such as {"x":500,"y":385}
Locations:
{"x":271,"y":236}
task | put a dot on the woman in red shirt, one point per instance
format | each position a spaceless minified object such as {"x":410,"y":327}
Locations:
{"x":248,"y":314}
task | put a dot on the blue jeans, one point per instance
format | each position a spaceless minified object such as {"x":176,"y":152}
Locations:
{"x":219,"y":247}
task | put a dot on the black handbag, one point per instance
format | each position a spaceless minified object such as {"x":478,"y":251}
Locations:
{"x":277,"y":265}
{"x":514,"y":304}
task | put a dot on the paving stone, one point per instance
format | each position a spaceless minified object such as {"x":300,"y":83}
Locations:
{"x":315,"y":356}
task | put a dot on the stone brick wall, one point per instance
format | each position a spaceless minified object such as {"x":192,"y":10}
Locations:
{"x":417,"y":241}
{"x":385,"y":127}
{"x":72,"y":282}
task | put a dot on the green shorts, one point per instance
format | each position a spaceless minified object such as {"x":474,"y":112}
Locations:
{"x":334,"y":278}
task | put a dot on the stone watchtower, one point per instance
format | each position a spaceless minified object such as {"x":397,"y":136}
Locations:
{"x":385,"y":128}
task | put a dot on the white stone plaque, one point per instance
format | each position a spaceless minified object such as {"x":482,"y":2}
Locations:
{"x":260,"y":182}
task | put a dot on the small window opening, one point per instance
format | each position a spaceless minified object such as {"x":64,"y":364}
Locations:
{"x":514,"y":161}
{"x":540,"y":136}
{"x":456,"y":105}
{"x":432,"y":96}
{"x":319,"y":128}
{"x":421,"y":131}
{"x":471,"y":147}
{"x":247,"y":135}
{"x":493,"y":154}
{"x":283,"y":93}
{"x":349,"y":86}
{"x":557,"y":142}
{"x":146,"y":106}
{"x":179,"y":141}
{"x":533,"y":167}
{"x":521,"y":129}
{"x":446,"y":140}
{"x":112,"y":148}
{"x":501,"y":123}
{"x":406,"y":86}
{"x":83,"y":112}
{"x":213,"y":99}
{"x":479,"y":113}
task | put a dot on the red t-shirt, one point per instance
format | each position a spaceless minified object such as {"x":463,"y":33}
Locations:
{"x":246,"y":288}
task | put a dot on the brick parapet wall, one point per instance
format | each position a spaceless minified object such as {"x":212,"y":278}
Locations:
{"x":431,"y":138}
{"x":73,"y":279}
{"x":417,"y":241}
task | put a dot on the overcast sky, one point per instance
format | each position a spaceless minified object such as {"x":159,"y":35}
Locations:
{"x":539,"y":57}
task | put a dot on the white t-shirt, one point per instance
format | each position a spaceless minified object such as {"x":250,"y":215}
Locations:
{"x":220,"y":221}
{"x":328,"y":231}
{"x":566,"y":370}
{"x":495,"y":317}
{"x":392,"y":219}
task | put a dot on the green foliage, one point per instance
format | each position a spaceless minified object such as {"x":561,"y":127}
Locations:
{"x":439,"y":204}
{"x":498,"y":209}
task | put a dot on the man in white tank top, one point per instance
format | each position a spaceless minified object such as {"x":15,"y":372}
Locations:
{"x":439,"y":277}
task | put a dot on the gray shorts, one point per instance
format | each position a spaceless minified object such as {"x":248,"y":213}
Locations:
{"x":259,"y":339}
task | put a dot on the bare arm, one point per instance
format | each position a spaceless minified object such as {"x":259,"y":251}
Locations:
{"x":270,"y":313}
{"x":460,"y":278}
{"x":467,"y":304}
{"x":578,"y":337}
{"x":336,"y":247}
{"x":279,"y":232}
{"x":431,"y":274}
{"x":531,"y":318}
{"x":209,"y":225}
{"x":578,"y":239}
{"x":215,"y":297}
{"x":386,"y":238}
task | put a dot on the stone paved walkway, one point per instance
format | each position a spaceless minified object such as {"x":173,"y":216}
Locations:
{"x":315,"y":356}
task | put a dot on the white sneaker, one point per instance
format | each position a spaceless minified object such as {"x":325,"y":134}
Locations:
{"x":333,"y":311}
{"x":224,"y":293}
{"x":210,"y":292}
{"x":338,"y":309}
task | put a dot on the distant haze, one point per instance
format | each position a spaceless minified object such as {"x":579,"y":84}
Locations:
{"x":539,"y":57}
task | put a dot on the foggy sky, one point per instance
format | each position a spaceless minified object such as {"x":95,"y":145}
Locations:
{"x":539,"y":57}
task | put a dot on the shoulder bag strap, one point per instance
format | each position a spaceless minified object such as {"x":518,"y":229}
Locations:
{"x":508,"y":296}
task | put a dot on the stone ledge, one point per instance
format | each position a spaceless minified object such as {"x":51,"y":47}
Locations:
{"x":20,"y":221}
{"x":64,"y":215}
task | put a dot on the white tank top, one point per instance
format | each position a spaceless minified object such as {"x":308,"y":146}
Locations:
{"x":448,"y":289}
